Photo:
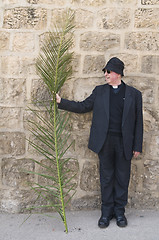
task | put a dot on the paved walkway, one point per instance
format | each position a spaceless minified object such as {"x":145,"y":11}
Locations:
{"x":142,"y":225}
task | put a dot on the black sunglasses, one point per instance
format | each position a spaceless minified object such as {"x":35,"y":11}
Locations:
{"x":108,"y":71}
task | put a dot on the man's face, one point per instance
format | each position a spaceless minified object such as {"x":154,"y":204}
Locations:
{"x":112,"y":78}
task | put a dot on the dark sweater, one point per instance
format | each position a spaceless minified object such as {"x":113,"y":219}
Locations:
{"x":117,"y":97}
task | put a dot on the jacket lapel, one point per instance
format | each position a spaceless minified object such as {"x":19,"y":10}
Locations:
{"x":127,"y":103}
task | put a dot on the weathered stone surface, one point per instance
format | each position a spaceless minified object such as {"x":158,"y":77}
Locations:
{"x":83,"y":87}
{"x":39,"y":91}
{"x":114,"y":18}
{"x":90,"y":177}
{"x":151,"y":121}
{"x":13,"y":91}
{"x":154,"y":148}
{"x":12,"y":143}
{"x":141,"y":41}
{"x":56,"y":16}
{"x":27,"y":66}
{"x":104,"y":29}
{"x":92,"y":3}
{"x":16,"y":200}
{"x":17,"y":66}
{"x":145,"y":85}
{"x":25,"y":18}
{"x":83,"y":18}
{"x":14,"y":172}
{"x":146,"y":18}
{"x":24,"y":42}
{"x":10,"y":65}
{"x":4,"y":40}
{"x":81,"y":121}
{"x":86,"y":202}
{"x":149,"y":2}
{"x":93,"y":64}
{"x":93,"y":41}
{"x":10,"y":118}
{"x":150,"y":64}
{"x":151,"y":178}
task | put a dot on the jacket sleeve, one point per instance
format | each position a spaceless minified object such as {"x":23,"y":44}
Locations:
{"x":138,"y":135}
{"x":79,"y":107}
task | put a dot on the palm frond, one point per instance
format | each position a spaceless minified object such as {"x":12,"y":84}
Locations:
{"x":52,"y":134}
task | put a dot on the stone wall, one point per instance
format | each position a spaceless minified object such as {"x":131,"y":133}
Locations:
{"x":127,"y":29}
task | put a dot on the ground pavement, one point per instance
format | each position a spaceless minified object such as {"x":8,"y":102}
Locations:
{"x":142,"y":225}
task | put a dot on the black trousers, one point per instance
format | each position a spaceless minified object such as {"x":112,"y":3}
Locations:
{"x":114,"y":176}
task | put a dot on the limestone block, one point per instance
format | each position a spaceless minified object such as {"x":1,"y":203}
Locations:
{"x":81,"y":143}
{"x":25,"y":18}
{"x":4,"y":40}
{"x":95,"y":41}
{"x":13,"y":91}
{"x":12,"y":143}
{"x":93,"y":64}
{"x":86,"y":202}
{"x":154,"y":146}
{"x":149,"y":64}
{"x":81,"y":121}
{"x":16,"y":200}
{"x":39,"y":91}
{"x":149,"y":2}
{"x":28,"y":115}
{"x":151,"y":121}
{"x":10,"y":117}
{"x":27,"y":66}
{"x":56,"y":16}
{"x":83,"y":87}
{"x":147,"y":199}
{"x":114,"y":18}
{"x":24,"y":42}
{"x":133,"y":179}
{"x":18,"y":66}
{"x":146,"y":18}
{"x":83,"y":18}
{"x":142,"y":41}
{"x":13,"y":172}
{"x":10,"y":65}
{"x":145,"y":85}
{"x":90,"y":177}
{"x":151,"y":178}
{"x":91,"y":3}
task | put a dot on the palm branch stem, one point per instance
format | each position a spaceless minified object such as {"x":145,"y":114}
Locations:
{"x":58,"y":170}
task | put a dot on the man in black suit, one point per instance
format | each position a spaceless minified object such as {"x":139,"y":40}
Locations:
{"x":116,"y":135}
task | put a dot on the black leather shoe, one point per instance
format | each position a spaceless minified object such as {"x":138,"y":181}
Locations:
{"x":121,"y":221}
{"x":104,"y":222}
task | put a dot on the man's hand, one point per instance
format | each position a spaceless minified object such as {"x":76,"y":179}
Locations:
{"x":58,"y":98}
{"x":136,"y":154}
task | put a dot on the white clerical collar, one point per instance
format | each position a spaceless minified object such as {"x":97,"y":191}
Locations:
{"x":115,"y":87}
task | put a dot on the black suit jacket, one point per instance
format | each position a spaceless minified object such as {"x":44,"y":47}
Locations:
{"x":132,"y":120}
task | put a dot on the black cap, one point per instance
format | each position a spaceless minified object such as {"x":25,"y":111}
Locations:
{"x":115,"y":65}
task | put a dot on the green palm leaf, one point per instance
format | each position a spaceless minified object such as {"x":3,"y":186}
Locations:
{"x":51,"y":134}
